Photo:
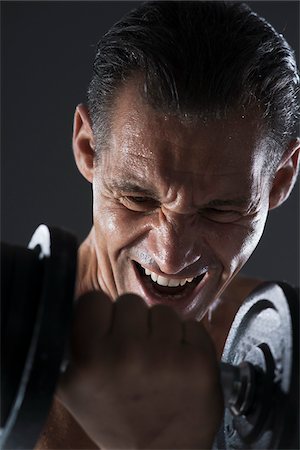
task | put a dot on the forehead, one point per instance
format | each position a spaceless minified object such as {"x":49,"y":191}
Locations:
{"x":144,"y":140}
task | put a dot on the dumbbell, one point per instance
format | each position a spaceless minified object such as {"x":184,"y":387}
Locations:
{"x":260,"y":372}
{"x":259,"y":367}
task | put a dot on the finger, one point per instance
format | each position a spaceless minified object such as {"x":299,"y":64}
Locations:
{"x":195,"y":334}
{"x":92,"y":320}
{"x":130,"y":317}
{"x":165,"y":324}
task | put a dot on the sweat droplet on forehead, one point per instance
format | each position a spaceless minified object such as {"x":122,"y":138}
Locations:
{"x":146,"y":136}
{"x":205,"y":159}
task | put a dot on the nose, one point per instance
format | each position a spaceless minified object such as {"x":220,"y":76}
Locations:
{"x":174,"y":244}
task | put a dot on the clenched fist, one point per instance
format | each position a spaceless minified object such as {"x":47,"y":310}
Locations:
{"x":140,"y":378}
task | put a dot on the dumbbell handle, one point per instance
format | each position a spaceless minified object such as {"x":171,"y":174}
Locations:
{"x":238,"y":383}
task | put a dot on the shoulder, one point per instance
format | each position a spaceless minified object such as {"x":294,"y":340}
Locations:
{"x":220,"y":315}
{"x":240,"y":288}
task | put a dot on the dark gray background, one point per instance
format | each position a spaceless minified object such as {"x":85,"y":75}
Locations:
{"x":47,"y":53}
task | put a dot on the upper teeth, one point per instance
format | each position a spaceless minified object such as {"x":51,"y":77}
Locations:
{"x":171,"y":282}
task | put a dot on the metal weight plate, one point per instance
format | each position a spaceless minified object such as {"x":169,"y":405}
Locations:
{"x":21,"y":272}
{"x":44,"y":357}
{"x":265,"y":333}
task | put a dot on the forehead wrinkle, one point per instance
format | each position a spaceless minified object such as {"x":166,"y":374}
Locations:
{"x":131,"y":185}
{"x":164,"y":188}
{"x":178,"y":159}
{"x":136,"y":146}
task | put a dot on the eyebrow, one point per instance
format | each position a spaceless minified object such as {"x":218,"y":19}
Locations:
{"x":131,"y":186}
{"x":238,"y":202}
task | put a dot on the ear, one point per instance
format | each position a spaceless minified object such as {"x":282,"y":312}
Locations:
{"x":83,"y":142}
{"x":285,"y":175}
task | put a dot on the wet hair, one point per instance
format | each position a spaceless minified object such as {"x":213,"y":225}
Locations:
{"x":200,"y":58}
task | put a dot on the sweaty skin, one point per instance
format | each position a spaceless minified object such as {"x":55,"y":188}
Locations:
{"x":180,"y":199}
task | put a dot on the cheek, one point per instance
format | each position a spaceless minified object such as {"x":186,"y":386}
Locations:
{"x":117,"y":227}
{"x":234,"y":243}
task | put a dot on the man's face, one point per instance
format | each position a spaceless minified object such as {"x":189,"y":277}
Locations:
{"x":178,"y":206}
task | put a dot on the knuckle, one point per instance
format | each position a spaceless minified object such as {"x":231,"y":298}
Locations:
{"x":130,"y":300}
{"x":93,"y":297}
{"x":164,"y":312}
{"x":196,"y":334}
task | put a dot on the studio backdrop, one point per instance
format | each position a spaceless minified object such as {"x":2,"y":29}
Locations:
{"x":47,"y":53}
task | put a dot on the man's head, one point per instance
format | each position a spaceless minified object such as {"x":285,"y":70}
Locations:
{"x":187,"y":143}
{"x":200,"y":58}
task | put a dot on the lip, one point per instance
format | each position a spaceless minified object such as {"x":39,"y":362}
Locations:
{"x":179,"y":302}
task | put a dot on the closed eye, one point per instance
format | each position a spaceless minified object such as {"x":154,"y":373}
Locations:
{"x":139,"y":203}
{"x":138,"y":199}
{"x":221,"y":215}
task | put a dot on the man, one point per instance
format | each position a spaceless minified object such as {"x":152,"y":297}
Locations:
{"x":187,"y":142}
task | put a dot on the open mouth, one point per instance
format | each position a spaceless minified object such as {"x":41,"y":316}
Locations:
{"x":167,"y":289}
